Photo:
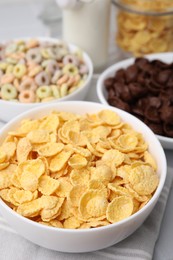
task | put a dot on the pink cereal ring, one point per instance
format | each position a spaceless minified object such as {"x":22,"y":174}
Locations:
{"x":52,"y":67}
{"x":27,"y":96}
{"x":27,"y":84}
{"x":42,"y":79}
{"x":70,"y":59}
{"x":83,"y":69}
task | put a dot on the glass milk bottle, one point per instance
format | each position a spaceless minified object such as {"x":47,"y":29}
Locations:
{"x":86,"y":24}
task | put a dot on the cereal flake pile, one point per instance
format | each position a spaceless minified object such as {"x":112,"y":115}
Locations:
{"x":34,"y":71}
{"x":76,"y":171}
{"x":141,"y":34}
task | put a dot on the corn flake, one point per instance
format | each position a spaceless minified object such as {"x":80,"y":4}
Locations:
{"x":119,"y":208}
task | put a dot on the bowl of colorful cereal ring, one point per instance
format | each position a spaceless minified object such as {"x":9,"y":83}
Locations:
{"x":35,"y":71}
{"x":144,"y":88}
{"x":78,"y":176}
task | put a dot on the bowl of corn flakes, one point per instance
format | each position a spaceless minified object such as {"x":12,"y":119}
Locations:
{"x":143,"y":87}
{"x":78,"y":176}
{"x":35,"y":71}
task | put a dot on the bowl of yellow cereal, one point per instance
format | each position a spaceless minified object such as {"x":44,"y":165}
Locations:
{"x":39,"y":70}
{"x":143,"y":87}
{"x":78,"y":176}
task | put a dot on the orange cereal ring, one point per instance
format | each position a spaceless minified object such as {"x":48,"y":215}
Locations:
{"x":27,"y":96}
{"x":7,"y":78}
{"x":63,"y":79}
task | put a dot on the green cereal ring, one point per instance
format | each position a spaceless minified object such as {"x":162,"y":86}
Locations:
{"x":12,"y":61}
{"x":70,"y":69}
{"x":8,"y":92}
{"x":64,"y":90}
{"x":11,"y":48}
{"x":46,"y":53}
{"x":55,"y":91}
{"x":19,"y":71}
{"x":44,"y":92}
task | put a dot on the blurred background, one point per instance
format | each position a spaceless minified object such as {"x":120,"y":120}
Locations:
{"x":20,"y":18}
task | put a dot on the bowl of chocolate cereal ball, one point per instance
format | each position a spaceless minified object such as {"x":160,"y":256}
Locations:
{"x":78,"y":176}
{"x":142,"y":86}
{"x":34,"y":71}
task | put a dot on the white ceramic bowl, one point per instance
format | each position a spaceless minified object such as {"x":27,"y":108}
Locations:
{"x":67,"y":240}
{"x":9,"y":110}
{"x":166,"y":142}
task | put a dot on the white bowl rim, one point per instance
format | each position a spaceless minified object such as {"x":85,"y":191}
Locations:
{"x":54,"y":40}
{"x":128,"y":62}
{"x":120,"y":223}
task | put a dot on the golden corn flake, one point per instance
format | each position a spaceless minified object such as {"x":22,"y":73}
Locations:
{"x":93,"y":204}
{"x":4,"y":165}
{"x":51,"y":207}
{"x":30,"y":209}
{"x":150,"y":160}
{"x":38,"y":136}
{"x":113,"y":156}
{"x":59,"y":161}
{"x":72,"y":223}
{"x":17,"y":196}
{"x":24,"y":147}
{"x":143,"y":179}
{"x":119,"y":209}
{"x":9,"y":148}
{"x":36,"y":166}
{"x":50,"y":122}
{"x":64,"y":187}
{"x":102,"y":173}
{"x":109,"y":117}
{"x":99,"y":186}
{"x":82,"y":151}
{"x":27,"y":126}
{"x":50,"y":149}
{"x":77,"y":161}
{"x":47,"y":185}
{"x":3,"y":156}
{"x":128,"y":142}
{"x":75,"y":194}
{"x":66,"y":210}
{"x":79,"y":177}
{"x":29,"y":181}
{"x":76,"y":171}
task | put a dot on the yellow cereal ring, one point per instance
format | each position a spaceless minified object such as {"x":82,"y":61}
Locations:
{"x":19,"y":70}
{"x":55,"y":91}
{"x":70,"y":69}
{"x":8,"y":91}
{"x":44,"y":92}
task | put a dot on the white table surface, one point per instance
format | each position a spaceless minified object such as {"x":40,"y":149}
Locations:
{"x":31,"y":26}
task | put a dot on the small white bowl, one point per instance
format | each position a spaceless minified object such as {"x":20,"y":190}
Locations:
{"x":9,"y":109}
{"x":67,"y":240}
{"x":166,"y":142}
